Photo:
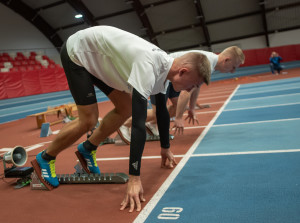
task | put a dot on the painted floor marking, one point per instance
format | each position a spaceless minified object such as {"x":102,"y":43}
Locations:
{"x":257,"y":122}
{"x":263,"y":106}
{"x":265,"y":97}
{"x":265,"y":91}
{"x":161,"y":191}
{"x":206,"y":154}
{"x":28,"y":148}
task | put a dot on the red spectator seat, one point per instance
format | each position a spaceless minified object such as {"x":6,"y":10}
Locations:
{"x":16,"y":63}
{"x":32,"y":57}
{"x":19,"y":54}
{"x":37,"y":67}
{"x":19,"y":58}
{"x":22,"y":68}
{"x":45,"y":57}
{"x":30,"y":67}
{"x":32,"y":62}
{"x":51,"y":62}
{"x":13,"y":69}
{"x":6,"y":59}
{"x":24,"y":62}
{"x":51,"y":66}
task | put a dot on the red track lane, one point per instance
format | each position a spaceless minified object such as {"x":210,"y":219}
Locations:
{"x":98,"y":202}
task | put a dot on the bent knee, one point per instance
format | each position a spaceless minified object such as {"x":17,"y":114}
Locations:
{"x":88,"y":124}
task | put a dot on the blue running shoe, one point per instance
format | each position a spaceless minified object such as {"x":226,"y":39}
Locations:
{"x":48,"y":170}
{"x":90,"y":158}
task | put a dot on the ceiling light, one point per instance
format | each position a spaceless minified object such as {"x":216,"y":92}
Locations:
{"x":78,"y":16}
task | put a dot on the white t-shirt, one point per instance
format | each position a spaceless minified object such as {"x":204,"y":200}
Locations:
{"x":120,"y":59}
{"x":212,"y":57}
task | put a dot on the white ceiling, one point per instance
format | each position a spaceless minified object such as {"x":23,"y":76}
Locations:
{"x":173,"y":24}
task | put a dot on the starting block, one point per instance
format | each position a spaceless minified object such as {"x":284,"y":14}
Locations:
{"x":118,"y":140}
{"x":108,"y":141}
{"x":81,"y":176}
{"x":45,"y":130}
{"x":37,"y":181}
{"x":156,"y":137}
{"x":81,"y":167}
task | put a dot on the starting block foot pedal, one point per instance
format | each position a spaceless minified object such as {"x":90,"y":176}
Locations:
{"x":45,"y":130}
{"x":37,"y":181}
{"x":156,"y":137}
{"x":107,"y":141}
{"x":82,"y":162}
{"x":119,"y":141}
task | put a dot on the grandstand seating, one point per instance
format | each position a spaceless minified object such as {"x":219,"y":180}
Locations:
{"x":29,"y":73}
{"x":18,"y":61}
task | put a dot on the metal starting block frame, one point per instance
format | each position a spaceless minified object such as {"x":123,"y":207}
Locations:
{"x":81,"y":176}
{"x":118,"y":140}
{"x":92,"y":178}
{"x":155,"y":137}
{"x":108,"y":141}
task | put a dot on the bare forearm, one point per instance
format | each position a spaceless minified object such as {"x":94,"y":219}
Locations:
{"x":183,"y":99}
{"x":193,"y":98}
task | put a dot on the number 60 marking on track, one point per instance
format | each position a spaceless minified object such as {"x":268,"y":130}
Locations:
{"x":170,"y":213}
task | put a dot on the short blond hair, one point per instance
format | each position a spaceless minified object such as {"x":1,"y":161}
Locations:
{"x":235,"y":52}
{"x":199,"y":63}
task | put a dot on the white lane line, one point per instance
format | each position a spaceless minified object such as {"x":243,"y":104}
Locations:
{"x":257,"y":122}
{"x":127,"y":158}
{"x":211,"y":103}
{"x":263,"y":106}
{"x":23,"y":108}
{"x":36,"y":146}
{"x":245,"y":108}
{"x":263,"y":98}
{"x":207,"y":154}
{"x":28,"y":148}
{"x":212,"y":93}
{"x":242,"y":123}
{"x":248,"y":152}
{"x":48,"y":97}
{"x":161,"y":191}
{"x":242,"y":92}
{"x":206,"y":98}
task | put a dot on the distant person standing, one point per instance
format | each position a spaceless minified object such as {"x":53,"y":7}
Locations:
{"x":275,"y":63}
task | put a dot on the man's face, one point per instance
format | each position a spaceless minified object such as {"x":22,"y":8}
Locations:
{"x":229,"y":65}
{"x":187,"y":80}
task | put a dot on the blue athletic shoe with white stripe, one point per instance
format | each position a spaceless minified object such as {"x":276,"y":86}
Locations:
{"x":90,"y":158}
{"x":48,"y":170}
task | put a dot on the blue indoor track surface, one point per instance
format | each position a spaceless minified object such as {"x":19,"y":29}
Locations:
{"x":245,"y":167}
{"x":237,"y":188}
{"x":17,"y":108}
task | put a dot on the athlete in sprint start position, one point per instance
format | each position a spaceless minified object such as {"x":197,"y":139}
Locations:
{"x":128,"y":70}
